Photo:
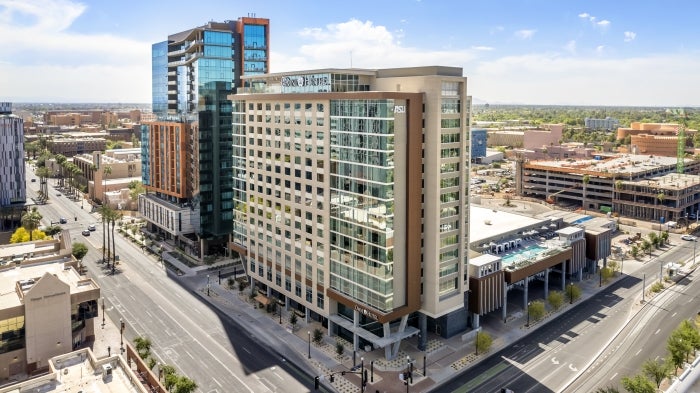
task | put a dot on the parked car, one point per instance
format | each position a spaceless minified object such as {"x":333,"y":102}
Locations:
{"x":86,"y":233}
{"x":92,"y":227}
{"x":689,"y":238}
{"x":63,"y":220}
{"x":33,"y":180}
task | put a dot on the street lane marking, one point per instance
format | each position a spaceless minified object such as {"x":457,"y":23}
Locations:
{"x":674,"y":314}
{"x":246,"y":349}
{"x":613,"y":377}
{"x":638,"y":352}
{"x":657,"y":331}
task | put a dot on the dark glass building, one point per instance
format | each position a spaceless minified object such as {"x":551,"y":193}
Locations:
{"x":193,"y":73}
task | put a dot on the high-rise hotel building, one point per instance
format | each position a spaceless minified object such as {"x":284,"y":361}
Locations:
{"x":13,"y":189}
{"x":187,"y":153}
{"x":350,"y":197}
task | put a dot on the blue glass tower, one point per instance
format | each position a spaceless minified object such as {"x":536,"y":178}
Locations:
{"x":193,"y":73}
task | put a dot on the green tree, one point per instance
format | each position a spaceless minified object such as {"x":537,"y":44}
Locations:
{"x":638,"y":384}
{"x":79,"y":250}
{"x":104,"y":212}
{"x":143,"y":346}
{"x":606,"y":274}
{"x":483,"y":342}
{"x":556,"y":299}
{"x":293,"y":320}
{"x":646,"y":246}
{"x":678,"y":348}
{"x":656,"y":370}
{"x":318,"y":336}
{"x":31,"y":221}
{"x":339,"y":348}
{"x":573,"y":292}
{"x":106,"y":171}
{"x":634,"y":251}
{"x":536,"y":310}
{"x":664,"y":237}
{"x":136,"y":188}
{"x":585,"y":181}
{"x":185,"y":385}
{"x":690,"y":334}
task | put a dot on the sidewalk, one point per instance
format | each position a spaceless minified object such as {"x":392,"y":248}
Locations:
{"x":442,"y":360}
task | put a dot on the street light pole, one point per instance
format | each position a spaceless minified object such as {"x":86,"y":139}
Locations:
{"x":528,"y":314}
{"x":103,"y":313}
{"x":571,"y":293}
{"x":362,"y":374}
{"x":121,"y":334}
{"x":207,"y":285}
{"x":309,"y":334}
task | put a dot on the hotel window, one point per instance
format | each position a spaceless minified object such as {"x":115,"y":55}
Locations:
{"x":319,"y":300}
{"x":450,"y":89}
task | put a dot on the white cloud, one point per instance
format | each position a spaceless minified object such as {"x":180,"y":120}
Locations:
{"x":362,"y":45}
{"x":600,"y":49}
{"x":603,"y":24}
{"x":35,"y":31}
{"x":630,"y":36}
{"x":496,"y":29}
{"x":483,"y":48}
{"x":549,"y":78}
{"x":570,"y":47}
{"x":524,"y":34}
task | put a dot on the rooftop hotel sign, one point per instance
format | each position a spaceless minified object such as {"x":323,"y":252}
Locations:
{"x":311,"y":83}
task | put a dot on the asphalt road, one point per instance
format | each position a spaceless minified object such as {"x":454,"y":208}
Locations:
{"x":201,"y":342}
{"x":643,"y":338}
{"x":552,"y":357}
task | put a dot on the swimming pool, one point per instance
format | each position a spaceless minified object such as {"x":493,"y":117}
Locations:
{"x":522,"y":254}
{"x":581,"y":220}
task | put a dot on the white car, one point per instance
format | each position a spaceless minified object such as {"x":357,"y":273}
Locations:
{"x":689,"y":238}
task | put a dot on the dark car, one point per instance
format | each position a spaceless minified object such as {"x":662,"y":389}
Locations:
{"x":86,"y":232}
{"x":63,"y":220}
{"x":33,"y":180}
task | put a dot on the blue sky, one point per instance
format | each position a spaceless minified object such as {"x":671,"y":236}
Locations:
{"x":593,"y":52}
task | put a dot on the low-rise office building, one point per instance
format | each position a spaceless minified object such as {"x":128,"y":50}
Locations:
{"x":46,"y":306}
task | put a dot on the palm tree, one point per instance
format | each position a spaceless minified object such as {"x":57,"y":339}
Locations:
{"x":585,"y":180}
{"x":114,"y":217}
{"x":107,"y":170}
{"x":61,"y":160}
{"x":31,"y":220}
{"x":618,"y":187}
{"x":104,"y":214}
{"x":42,"y":173}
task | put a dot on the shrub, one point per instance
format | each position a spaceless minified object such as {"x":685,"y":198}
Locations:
{"x":318,"y":336}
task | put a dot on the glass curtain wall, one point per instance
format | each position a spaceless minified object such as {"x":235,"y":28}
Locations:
{"x":362,"y":201}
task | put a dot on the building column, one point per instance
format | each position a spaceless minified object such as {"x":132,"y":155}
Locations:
{"x":563,"y":276}
{"x":355,"y":336}
{"x":423,"y":326}
{"x":525,"y":292}
{"x":475,"y":321}
{"x":546,"y":283}
{"x":504,"y":309}
{"x":330,"y":327}
{"x":580,"y":274}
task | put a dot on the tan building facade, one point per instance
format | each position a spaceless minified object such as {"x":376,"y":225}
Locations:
{"x":46,"y":306}
{"x":357,"y":179}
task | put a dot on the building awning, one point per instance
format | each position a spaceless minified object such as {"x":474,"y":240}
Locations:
{"x":262,"y":299}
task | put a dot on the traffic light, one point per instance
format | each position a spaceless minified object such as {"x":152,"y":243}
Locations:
{"x":317,"y":382}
